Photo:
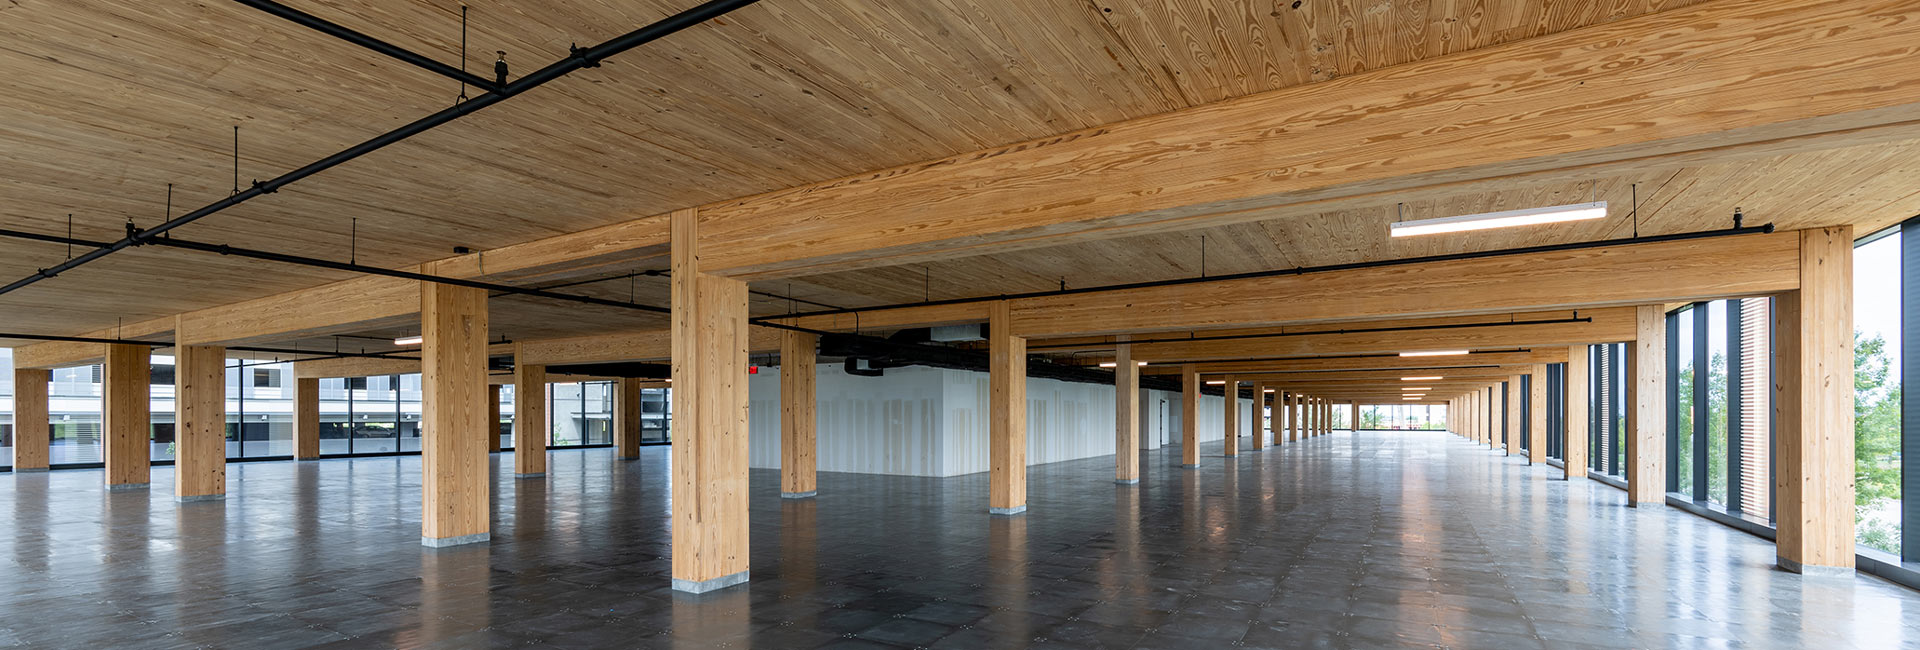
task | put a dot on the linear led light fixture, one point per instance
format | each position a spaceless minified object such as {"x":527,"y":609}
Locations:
{"x":1421,"y":378}
{"x":1116,"y":364}
{"x":1408,"y":399}
{"x":408,"y":340}
{"x":1220,"y":382}
{"x":1435,"y":353}
{"x":1502,"y":219}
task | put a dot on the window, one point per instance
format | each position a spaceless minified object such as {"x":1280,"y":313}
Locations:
{"x":266,"y":378}
{"x":1878,"y":332}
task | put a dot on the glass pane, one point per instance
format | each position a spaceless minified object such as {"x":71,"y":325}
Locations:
{"x":1717,"y":401}
{"x":506,"y":416}
{"x":564,"y":401}
{"x":74,"y":407}
{"x":1681,"y":347}
{"x":1876,"y":381}
{"x":334,"y":417}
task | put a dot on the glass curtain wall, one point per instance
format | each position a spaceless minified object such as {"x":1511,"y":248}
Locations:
{"x":1607,"y":409}
{"x":6,"y":408}
{"x":1712,"y":427}
{"x":1881,"y":267}
{"x":1403,"y":417}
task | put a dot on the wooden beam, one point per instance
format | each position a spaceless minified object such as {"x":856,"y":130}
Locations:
{"x":355,"y":367}
{"x":710,"y":403}
{"x":1574,"y":451}
{"x":306,"y":418}
{"x":799,"y":418}
{"x":529,"y":419}
{"x":1627,"y":93}
{"x":200,"y":423}
{"x":67,"y":354}
{"x":454,"y":476}
{"x":1384,"y":377}
{"x":358,"y":304}
{"x":1007,"y":419}
{"x":126,"y":418}
{"x":1815,"y":439}
{"x":1126,"y":419}
{"x":626,"y":419}
{"x":1634,"y":274}
{"x":1533,"y":330}
{"x":32,"y":424}
{"x":1647,"y":397}
{"x":1189,"y":418}
{"x":895,"y":318}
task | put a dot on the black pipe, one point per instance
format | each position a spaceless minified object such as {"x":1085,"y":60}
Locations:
{"x":578,"y":59}
{"x":1273,"y":335}
{"x":1305,"y":270}
{"x":341,"y":32}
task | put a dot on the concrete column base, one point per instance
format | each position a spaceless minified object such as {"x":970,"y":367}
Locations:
{"x":1813,"y":570}
{"x":28,"y":470}
{"x":531,"y":475}
{"x":1007,"y":511}
{"x":123,"y":487}
{"x":704,"y":586}
{"x":443,"y":542}
{"x":191,"y":498}
{"x":799,"y":495}
{"x":1127,"y":481}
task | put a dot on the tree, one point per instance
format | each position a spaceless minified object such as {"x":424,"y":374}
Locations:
{"x":1876,"y":446}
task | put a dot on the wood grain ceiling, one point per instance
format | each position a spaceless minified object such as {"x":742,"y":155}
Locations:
{"x":109,"y":101}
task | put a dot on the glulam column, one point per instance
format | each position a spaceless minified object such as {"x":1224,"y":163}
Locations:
{"x":126,"y":420}
{"x":1007,"y":413}
{"x":32,"y":428}
{"x":1574,"y":450}
{"x":1189,"y":417}
{"x":306,"y":418}
{"x":1814,"y":497}
{"x":1230,"y":415}
{"x":626,"y":420}
{"x":1258,"y":413}
{"x":454,"y":481}
{"x":200,"y":423}
{"x":1515,"y":397}
{"x":709,"y":455}
{"x":799,"y":421}
{"x":530,"y":418}
{"x":1293,"y":417}
{"x":1537,"y":415}
{"x":1647,"y":397}
{"x":1126,"y":417}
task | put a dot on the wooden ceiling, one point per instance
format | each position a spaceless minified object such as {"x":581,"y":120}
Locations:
{"x":109,"y":101}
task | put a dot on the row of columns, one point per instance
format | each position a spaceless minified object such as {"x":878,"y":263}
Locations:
{"x":1813,"y":391}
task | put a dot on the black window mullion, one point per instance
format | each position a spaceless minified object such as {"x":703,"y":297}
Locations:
{"x":1909,"y":404}
{"x":1672,"y":437}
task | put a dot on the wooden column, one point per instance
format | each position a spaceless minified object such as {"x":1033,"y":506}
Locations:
{"x":454,"y":478}
{"x":493,"y":418}
{"x":710,"y":412}
{"x":1007,"y":419}
{"x":126,"y":423}
{"x":626,"y":420}
{"x":32,"y":428}
{"x":799,"y":420}
{"x":306,"y":418}
{"x":1515,"y":397}
{"x":1814,"y":396}
{"x":1647,"y":397}
{"x":1293,"y":417}
{"x":530,"y":418}
{"x":1189,"y":417}
{"x":1126,"y":417}
{"x":200,"y":423}
{"x":1230,"y":391}
{"x":1258,"y":413}
{"x":1537,"y":415}
{"x":1575,"y":449}
{"x":1353,"y":416}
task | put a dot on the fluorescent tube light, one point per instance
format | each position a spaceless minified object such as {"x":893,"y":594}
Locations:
{"x":408,"y":340}
{"x":1411,"y":398}
{"x":1116,"y":364}
{"x":1503,"y":219}
{"x":1436,"y":353}
{"x":1220,"y":382}
{"x":1420,"y":378}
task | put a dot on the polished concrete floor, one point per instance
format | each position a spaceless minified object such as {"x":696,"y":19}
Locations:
{"x":1368,"y":540}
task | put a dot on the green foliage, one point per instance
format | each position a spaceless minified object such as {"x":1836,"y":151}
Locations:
{"x":1876,"y":446}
